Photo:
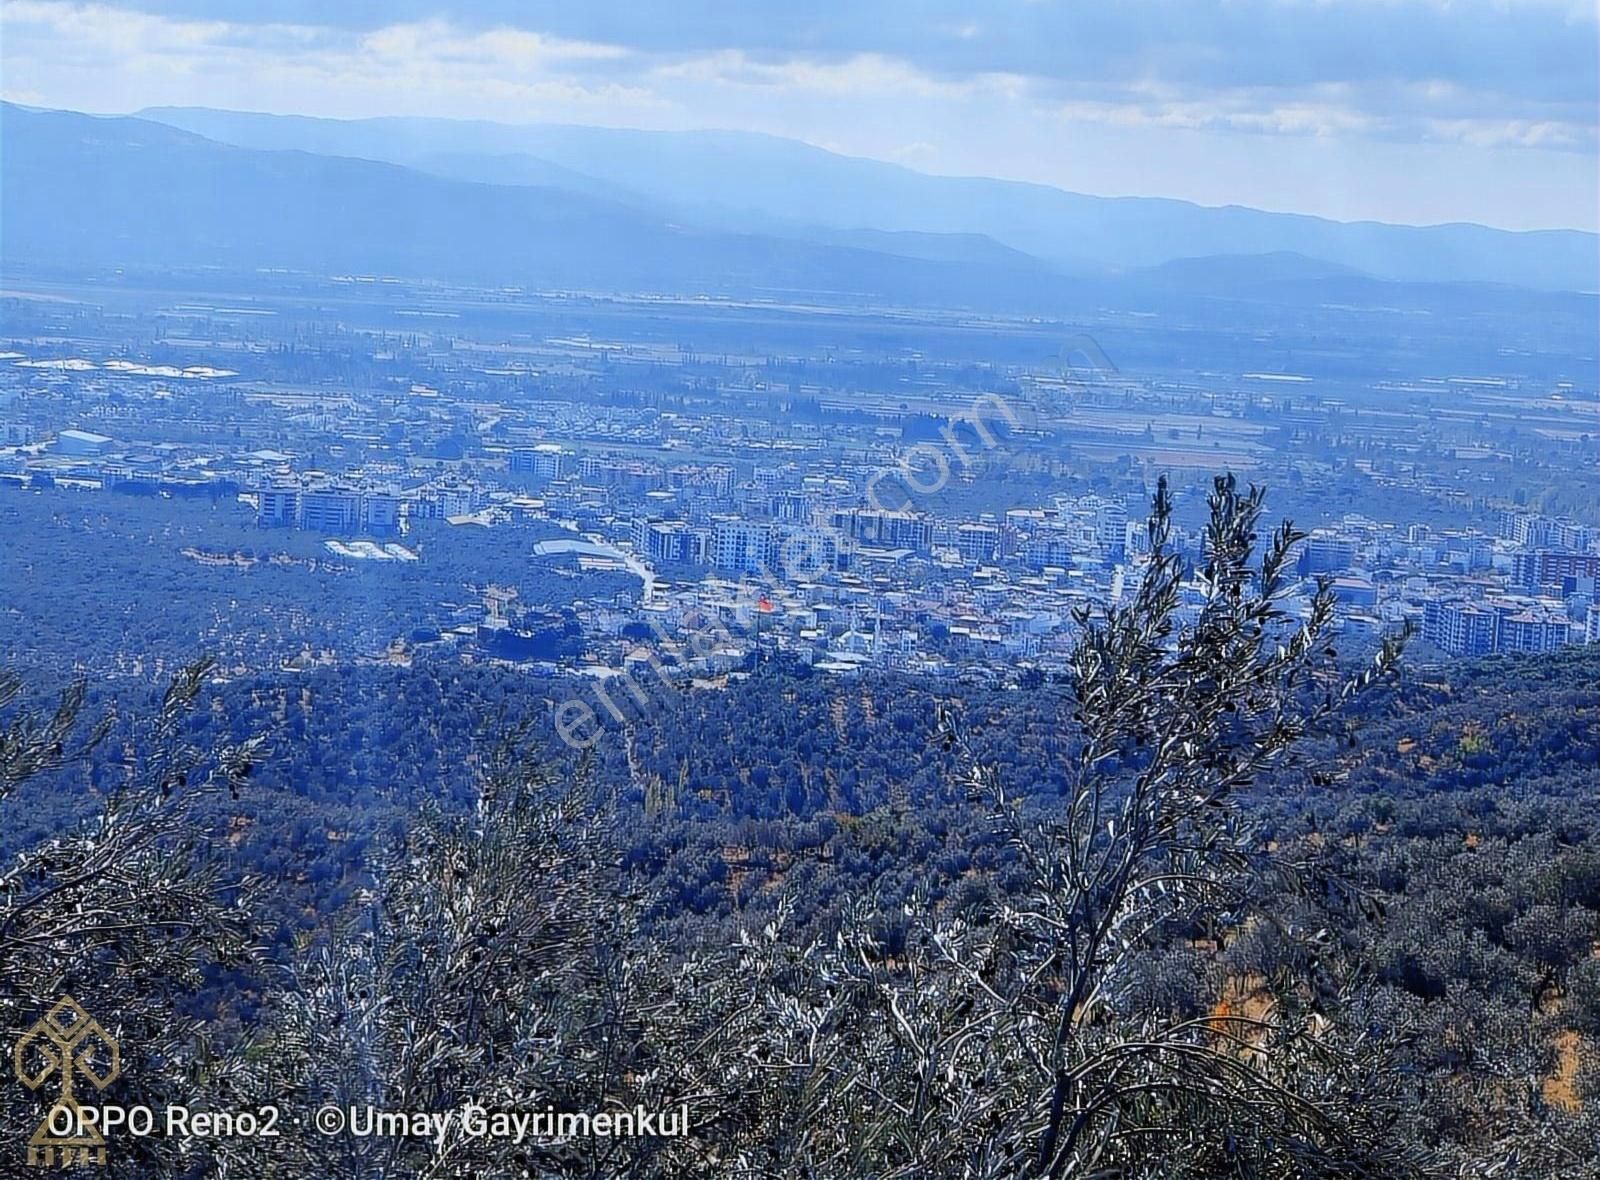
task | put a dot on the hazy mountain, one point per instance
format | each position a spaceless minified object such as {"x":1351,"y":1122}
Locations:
{"x":1281,"y":264}
{"x":965,"y":248}
{"x":86,"y":192}
{"x":738,"y":180}
{"x":477,"y":152}
{"x":504,"y":169}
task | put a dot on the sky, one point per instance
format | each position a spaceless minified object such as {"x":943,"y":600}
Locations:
{"x":1414,"y":111}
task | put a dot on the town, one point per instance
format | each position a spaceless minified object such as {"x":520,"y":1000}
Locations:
{"x":850,"y":510}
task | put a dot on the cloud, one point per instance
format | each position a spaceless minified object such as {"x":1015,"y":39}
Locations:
{"x":1521,"y":72}
{"x":864,"y":75}
{"x":101,"y":57}
{"x":500,"y":48}
{"x":1338,"y":111}
{"x":112,"y":34}
{"x":1531,"y":48}
{"x":1506,"y":89}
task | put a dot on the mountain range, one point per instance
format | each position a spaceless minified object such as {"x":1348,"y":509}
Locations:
{"x":588,"y":208}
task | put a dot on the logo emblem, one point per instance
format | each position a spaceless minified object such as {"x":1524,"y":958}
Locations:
{"x":66,"y":1044}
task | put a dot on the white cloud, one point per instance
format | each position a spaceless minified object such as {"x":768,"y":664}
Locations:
{"x":115,"y":34}
{"x":496,"y":49}
{"x":861,"y":75}
{"x":100,"y":57}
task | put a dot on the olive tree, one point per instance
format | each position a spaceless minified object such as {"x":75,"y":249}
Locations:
{"x":497,"y":963}
{"x":1017,"y":1046}
{"x":121,"y":909}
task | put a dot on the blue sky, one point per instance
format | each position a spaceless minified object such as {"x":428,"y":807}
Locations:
{"x":1403,"y":110}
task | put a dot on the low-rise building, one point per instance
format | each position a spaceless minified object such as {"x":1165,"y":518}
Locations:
{"x":81,"y":443}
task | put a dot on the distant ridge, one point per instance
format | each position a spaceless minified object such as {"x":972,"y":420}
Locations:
{"x":83,"y":193}
{"x":1232,"y":272}
{"x":86,"y":192}
{"x":744,"y":181}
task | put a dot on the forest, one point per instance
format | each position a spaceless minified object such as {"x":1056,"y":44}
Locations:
{"x":136,"y":586}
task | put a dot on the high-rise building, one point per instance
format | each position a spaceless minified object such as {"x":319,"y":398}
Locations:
{"x":1049,"y":547}
{"x":744,"y":546}
{"x":1549,"y":568}
{"x":1111,"y":529}
{"x":663,"y":540}
{"x":444,"y":500}
{"x":330,"y":509}
{"x":977,"y":542}
{"x":805,"y":553}
{"x":888,"y":530}
{"x":278,"y":506}
{"x":1324,"y":552}
{"x":1355,"y":591}
{"x":714,"y":481}
{"x":1543,"y":532}
{"x":793,"y":507}
{"x":545,"y":461}
{"x":380,"y":512}
{"x":1469,"y":628}
{"x":1135,"y":538}
{"x":1534,"y":630}
{"x":1460,"y":626}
